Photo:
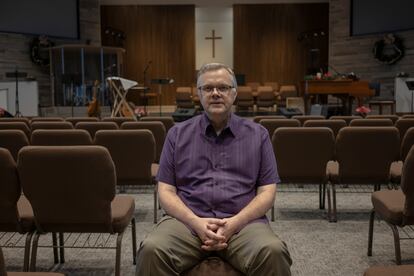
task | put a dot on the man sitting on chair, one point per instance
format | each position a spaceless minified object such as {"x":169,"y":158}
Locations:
{"x":217,"y":179}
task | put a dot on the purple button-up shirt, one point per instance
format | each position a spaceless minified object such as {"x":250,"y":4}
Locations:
{"x":217,"y":176}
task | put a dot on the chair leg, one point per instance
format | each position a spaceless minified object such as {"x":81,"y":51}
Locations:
{"x":61,"y":248}
{"x":34,"y":251}
{"x":27,"y":251}
{"x":322,"y":188}
{"x":55,"y":248}
{"x":273,"y":212}
{"x":371,"y":232}
{"x":396,"y":243}
{"x":134,"y":241}
{"x":118,"y":254}
{"x":328,"y":193}
{"x":334,"y":219}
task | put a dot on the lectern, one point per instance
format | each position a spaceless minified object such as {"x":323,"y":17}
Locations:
{"x":161,"y":82}
{"x":16,"y":75}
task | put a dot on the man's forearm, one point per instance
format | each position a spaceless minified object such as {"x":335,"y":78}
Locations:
{"x":258,"y":207}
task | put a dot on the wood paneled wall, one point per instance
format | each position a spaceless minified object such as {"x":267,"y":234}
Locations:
{"x":164,"y":35}
{"x":266,"y":46}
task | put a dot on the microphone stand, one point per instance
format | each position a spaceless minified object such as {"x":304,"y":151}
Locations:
{"x":144,"y":85}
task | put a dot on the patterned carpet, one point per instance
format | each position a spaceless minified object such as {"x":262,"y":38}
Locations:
{"x":317,"y":247}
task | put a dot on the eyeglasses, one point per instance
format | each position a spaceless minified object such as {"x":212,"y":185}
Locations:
{"x":222,"y":89}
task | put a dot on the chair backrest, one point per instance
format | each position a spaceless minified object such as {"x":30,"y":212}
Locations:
{"x":133,"y":152}
{"x":257,"y":119}
{"x":16,"y":125}
{"x":118,"y":120}
{"x":347,"y":118}
{"x":60,"y":137}
{"x":157,"y":129}
{"x":9,"y":192}
{"x":167,"y":121}
{"x":51,"y":125}
{"x":407,"y":186}
{"x":273,"y":84}
{"x":288,"y":91}
{"x":371,"y":122}
{"x":272,"y":124}
{"x":75,"y":120}
{"x":13,"y":140}
{"x":403,"y":125}
{"x":365,"y":154}
{"x":186,"y":89}
{"x":408,"y":116}
{"x":93,"y":127}
{"x":302,"y":153}
{"x":407,"y":142}
{"x":303,"y":118}
{"x":393,"y":118}
{"x":266,"y":96}
{"x":243,"y":88}
{"x":253,"y":84}
{"x":334,"y":125}
{"x":70,"y":188}
{"x":15,"y":119}
{"x":46,"y":119}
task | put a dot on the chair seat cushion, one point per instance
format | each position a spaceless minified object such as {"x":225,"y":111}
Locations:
{"x":395,"y":171}
{"x":122,"y":212}
{"x":400,"y":270}
{"x":213,"y":266}
{"x":389,"y":205}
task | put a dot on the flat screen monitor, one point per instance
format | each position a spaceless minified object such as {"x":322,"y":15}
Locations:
{"x":381,"y":16}
{"x":55,"y":18}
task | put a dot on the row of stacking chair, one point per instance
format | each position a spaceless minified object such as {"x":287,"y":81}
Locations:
{"x":133,"y":148}
{"x":66,"y":189}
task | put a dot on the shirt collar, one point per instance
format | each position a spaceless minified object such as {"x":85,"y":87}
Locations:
{"x":232,"y":126}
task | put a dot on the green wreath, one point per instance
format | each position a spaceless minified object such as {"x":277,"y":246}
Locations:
{"x":39,"y":51}
{"x":389,"y":50}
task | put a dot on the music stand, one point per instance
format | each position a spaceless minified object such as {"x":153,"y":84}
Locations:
{"x":410,"y":85}
{"x":72,"y":80}
{"x":160,"y":82}
{"x":16,"y":75}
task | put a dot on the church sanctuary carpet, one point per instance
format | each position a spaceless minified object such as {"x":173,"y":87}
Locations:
{"x":317,"y":246}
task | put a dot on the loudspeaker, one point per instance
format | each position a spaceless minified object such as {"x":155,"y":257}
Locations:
{"x":182,"y":114}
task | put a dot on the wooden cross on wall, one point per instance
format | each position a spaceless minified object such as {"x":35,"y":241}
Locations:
{"x":213,"y":38}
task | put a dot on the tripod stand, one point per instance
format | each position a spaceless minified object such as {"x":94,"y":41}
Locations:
{"x":16,"y":75}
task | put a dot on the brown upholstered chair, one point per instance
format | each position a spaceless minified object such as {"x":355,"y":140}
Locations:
{"x":81,"y":202}
{"x":393,"y":118}
{"x":371,"y":123}
{"x":60,"y":137}
{"x":362,"y":158}
{"x":4,"y":273}
{"x":265,"y":97}
{"x":118,"y":120}
{"x":50,"y":125}
{"x":93,"y":127}
{"x":15,"y":119}
{"x":334,"y":125}
{"x":75,"y":120}
{"x":303,"y":118}
{"x":46,"y":119}
{"x":253,"y":85}
{"x":244,"y":98}
{"x":213,"y":266}
{"x":157,"y":129}
{"x":346,"y":118}
{"x":257,"y":119}
{"x":13,"y":140}
{"x":403,"y":125}
{"x":272,"y":124}
{"x":16,"y":125}
{"x":167,"y":121}
{"x":396,"y":167}
{"x":133,"y":152}
{"x":395,"y":207}
{"x":184,"y":98}
{"x":16,"y":214}
{"x":396,"y":270}
{"x":302,"y":155}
